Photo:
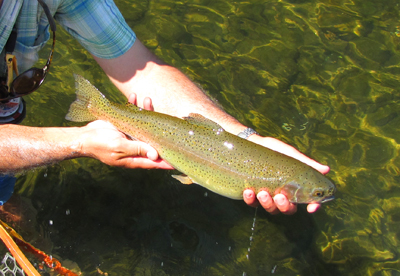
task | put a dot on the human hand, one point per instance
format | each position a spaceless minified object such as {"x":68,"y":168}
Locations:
{"x":279,"y":203}
{"x":103,"y":141}
{"x":106,"y":143}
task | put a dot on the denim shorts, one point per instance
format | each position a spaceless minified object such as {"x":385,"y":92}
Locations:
{"x":7,"y":183}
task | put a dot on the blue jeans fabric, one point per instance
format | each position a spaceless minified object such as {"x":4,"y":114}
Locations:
{"x":7,"y":183}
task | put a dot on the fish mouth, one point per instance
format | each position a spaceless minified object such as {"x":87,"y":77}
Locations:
{"x":329,"y":198}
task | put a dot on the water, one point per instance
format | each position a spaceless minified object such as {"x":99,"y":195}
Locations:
{"x":323,"y":76}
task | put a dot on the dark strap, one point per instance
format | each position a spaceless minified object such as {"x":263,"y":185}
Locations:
{"x":12,"y":39}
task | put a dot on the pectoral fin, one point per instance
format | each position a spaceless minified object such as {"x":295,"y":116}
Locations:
{"x":183,"y":178}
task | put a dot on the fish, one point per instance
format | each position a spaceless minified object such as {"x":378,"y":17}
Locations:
{"x":204,"y":152}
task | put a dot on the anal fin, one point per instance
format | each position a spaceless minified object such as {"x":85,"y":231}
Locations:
{"x":183,"y":178}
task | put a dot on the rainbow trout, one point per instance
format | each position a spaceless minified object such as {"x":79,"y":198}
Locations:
{"x":204,"y":152}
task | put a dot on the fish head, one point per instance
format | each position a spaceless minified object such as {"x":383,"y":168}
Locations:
{"x":309,"y":187}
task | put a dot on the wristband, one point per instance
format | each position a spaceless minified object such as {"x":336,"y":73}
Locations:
{"x":246,"y":133}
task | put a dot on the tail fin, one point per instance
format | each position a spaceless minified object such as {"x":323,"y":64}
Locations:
{"x":86,"y":95}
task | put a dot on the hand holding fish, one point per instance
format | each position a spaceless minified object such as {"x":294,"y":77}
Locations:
{"x":105,"y":143}
{"x":278,"y":203}
{"x":113,"y":148}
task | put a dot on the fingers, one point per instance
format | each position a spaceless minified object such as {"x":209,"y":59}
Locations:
{"x":278,"y":203}
{"x":249,"y":198}
{"x":145,"y":163}
{"x":132,"y":98}
{"x":143,"y":150}
{"x":267,"y":202}
{"x":275,"y":205}
{"x":105,"y":143}
{"x":147,"y":102}
{"x":128,"y":148}
{"x":313,"y":207}
{"x":141,"y":155}
{"x":136,"y":154}
{"x":283,"y":204}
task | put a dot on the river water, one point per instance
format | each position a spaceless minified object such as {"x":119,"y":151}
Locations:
{"x":323,"y":76}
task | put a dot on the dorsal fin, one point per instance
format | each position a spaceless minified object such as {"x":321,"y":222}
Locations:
{"x":198,"y":119}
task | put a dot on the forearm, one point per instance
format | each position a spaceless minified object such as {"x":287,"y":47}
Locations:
{"x":23,"y":147}
{"x":139,"y":71}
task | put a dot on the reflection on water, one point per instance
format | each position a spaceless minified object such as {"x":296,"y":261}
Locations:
{"x":323,"y":76}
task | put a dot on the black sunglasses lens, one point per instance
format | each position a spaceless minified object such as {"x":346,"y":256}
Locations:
{"x":28,"y":81}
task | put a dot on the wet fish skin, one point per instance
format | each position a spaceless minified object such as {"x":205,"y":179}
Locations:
{"x":204,"y":152}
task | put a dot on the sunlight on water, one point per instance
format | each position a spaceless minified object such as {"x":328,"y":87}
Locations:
{"x":252,"y":233}
{"x":323,"y":76}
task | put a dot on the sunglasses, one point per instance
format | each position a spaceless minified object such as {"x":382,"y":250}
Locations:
{"x":32,"y":79}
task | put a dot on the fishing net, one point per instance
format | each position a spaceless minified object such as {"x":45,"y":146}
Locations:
{"x":9,"y":267}
{"x":14,"y":243}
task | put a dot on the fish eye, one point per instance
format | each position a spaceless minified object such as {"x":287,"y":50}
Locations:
{"x":319,"y":193}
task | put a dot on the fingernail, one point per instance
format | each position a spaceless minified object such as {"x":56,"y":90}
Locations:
{"x":247,"y":193}
{"x":263,"y":197}
{"x":132,"y":98}
{"x":279,"y":200}
{"x":152,"y":155}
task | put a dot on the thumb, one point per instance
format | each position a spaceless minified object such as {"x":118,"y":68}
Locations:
{"x":138,"y":148}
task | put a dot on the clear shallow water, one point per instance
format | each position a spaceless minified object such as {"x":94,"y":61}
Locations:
{"x":323,"y":76}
